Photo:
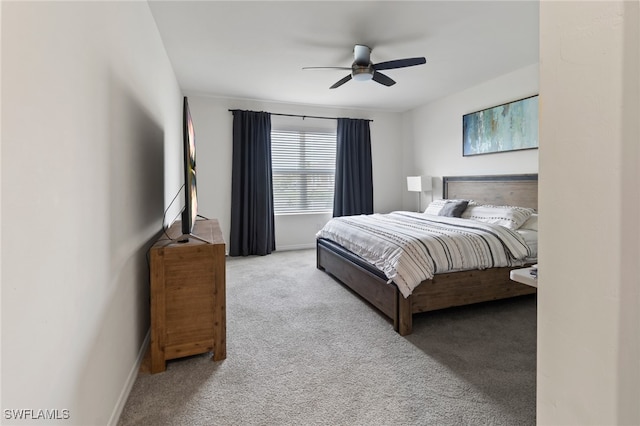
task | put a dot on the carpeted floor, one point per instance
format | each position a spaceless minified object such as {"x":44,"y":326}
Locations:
{"x":304,"y":350}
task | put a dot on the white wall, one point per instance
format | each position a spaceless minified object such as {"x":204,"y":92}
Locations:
{"x":91,"y":145}
{"x":213,"y":127}
{"x":434,"y":144}
{"x":589,"y":286}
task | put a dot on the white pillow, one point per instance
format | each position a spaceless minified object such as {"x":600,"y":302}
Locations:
{"x":435,"y":206}
{"x":508,"y":216}
{"x":531,"y":223}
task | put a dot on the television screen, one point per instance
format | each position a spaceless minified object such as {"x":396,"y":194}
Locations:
{"x":190,"y":211}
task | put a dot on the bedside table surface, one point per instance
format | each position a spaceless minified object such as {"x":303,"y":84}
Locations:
{"x":524,"y":276}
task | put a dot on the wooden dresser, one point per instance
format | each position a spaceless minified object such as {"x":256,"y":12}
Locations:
{"x":188,"y":295}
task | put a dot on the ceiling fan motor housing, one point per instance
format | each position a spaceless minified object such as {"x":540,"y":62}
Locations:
{"x":361,"y":55}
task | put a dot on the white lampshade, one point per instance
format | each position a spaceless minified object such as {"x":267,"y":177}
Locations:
{"x":418,"y":183}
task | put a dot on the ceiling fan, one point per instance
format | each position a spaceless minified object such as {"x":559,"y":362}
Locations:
{"x":362,"y":69}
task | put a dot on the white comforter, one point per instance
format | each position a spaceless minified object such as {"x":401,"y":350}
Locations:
{"x":411,"y":247}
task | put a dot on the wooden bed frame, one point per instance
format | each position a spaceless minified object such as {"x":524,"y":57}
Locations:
{"x":444,"y":290}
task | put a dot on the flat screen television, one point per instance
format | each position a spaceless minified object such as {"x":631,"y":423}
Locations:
{"x":190,"y":212}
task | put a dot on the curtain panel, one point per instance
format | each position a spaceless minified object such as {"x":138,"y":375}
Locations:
{"x":252,"y":214}
{"x":353,"y":193}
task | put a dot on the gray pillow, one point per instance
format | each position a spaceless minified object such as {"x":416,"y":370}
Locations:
{"x":454,"y":208}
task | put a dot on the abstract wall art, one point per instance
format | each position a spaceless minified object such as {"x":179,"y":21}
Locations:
{"x":508,"y":127}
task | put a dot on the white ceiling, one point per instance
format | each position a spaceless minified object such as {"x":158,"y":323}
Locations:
{"x":256,"y":50}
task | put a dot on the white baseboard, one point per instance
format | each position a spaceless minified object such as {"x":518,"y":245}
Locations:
{"x":295,"y":247}
{"x":133,"y":374}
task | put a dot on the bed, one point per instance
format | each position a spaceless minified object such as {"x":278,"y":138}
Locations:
{"x":446,"y":289}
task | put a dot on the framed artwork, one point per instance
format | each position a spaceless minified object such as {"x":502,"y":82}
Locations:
{"x":508,"y":127}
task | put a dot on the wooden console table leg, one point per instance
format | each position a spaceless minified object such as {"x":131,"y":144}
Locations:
{"x":220,"y":303}
{"x":219,"y":327}
{"x":158,"y":363}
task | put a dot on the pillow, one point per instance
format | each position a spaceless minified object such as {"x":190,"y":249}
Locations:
{"x":454,"y":208}
{"x":531,"y":223}
{"x":508,"y":216}
{"x":436,"y":205}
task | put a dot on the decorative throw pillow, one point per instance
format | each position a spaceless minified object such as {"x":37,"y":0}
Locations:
{"x":511,"y":217}
{"x":436,"y":205}
{"x":454,"y":208}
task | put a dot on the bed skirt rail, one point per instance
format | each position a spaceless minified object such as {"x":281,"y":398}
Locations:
{"x":358,"y":276}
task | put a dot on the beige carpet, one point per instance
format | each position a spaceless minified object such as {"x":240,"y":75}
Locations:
{"x":304,"y":350}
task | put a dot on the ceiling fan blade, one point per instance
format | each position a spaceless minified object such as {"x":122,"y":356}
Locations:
{"x":341,"y":82}
{"x":327,"y":68}
{"x":383,"y":79}
{"x":399,"y":63}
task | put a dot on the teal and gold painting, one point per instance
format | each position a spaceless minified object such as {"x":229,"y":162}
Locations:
{"x":508,"y":127}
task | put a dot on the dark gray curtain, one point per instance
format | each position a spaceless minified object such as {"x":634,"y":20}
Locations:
{"x":354,"y":177}
{"x":252,"y":218}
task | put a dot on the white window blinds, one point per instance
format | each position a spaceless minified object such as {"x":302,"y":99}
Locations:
{"x":303,"y":165}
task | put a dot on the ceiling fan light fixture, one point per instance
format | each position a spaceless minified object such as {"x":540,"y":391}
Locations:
{"x":362,"y":73}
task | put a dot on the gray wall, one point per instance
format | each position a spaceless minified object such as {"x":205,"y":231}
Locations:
{"x":91,"y":146}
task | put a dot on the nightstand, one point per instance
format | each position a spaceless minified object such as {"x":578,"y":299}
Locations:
{"x":524,"y":276}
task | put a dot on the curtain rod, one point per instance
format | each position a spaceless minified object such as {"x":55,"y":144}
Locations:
{"x":304,"y":116}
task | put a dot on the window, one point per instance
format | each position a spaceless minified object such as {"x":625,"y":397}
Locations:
{"x":303,"y":165}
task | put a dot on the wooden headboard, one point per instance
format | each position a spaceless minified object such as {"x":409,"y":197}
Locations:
{"x":499,"y":190}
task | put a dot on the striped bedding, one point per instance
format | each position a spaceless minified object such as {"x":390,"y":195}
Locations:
{"x":412,"y":247}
